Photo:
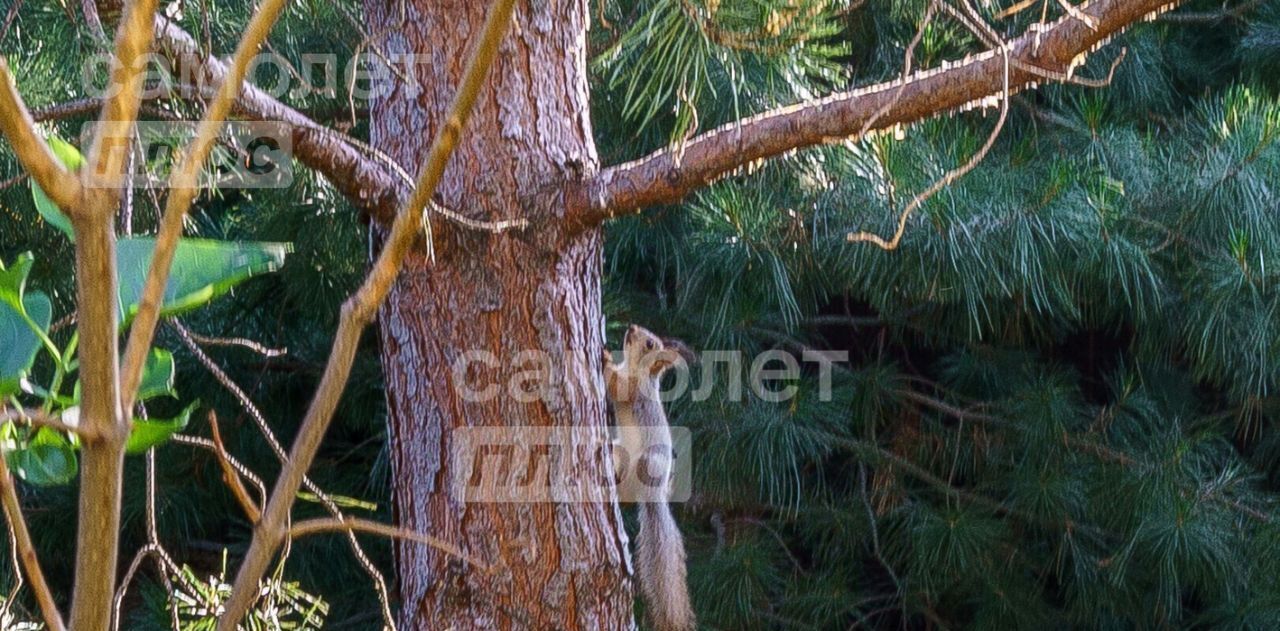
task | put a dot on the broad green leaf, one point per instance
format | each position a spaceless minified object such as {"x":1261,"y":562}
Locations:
{"x":71,"y":158}
{"x":203,"y":269}
{"x":48,"y":459}
{"x":24,"y":318}
{"x":157,"y":376}
{"x":149,"y":433}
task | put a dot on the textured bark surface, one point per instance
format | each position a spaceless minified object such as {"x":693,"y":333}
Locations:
{"x":556,"y":565}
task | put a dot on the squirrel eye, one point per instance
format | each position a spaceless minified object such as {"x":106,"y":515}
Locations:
{"x":648,"y":345}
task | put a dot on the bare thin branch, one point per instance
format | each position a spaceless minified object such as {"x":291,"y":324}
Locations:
{"x":26,"y":551}
{"x":948,"y":178}
{"x":34,"y":155}
{"x":167,"y":567}
{"x":240,"y":468}
{"x":237,"y":341}
{"x":40,"y":419}
{"x":321,"y":526}
{"x":908,"y":59}
{"x":104,"y":164}
{"x":379,"y":583}
{"x":230,"y":475}
{"x":357,"y":313}
{"x":663,"y":177}
{"x":182,"y":191}
{"x":16,"y":567}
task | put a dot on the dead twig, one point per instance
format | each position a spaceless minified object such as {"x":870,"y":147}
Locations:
{"x":350,"y":524}
{"x":949,"y":177}
{"x":229,"y":474}
{"x":26,"y":551}
{"x":237,"y":341}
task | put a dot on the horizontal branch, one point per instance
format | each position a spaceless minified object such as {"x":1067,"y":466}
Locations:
{"x":67,"y":109}
{"x":39,"y":419}
{"x":668,"y":175}
{"x":372,"y":187}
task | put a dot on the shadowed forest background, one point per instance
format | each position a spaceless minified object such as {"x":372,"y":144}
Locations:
{"x":1060,"y":407}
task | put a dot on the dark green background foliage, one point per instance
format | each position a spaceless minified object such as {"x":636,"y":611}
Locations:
{"x":1061,"y":401}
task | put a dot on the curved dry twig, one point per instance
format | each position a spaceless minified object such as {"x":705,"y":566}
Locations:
{"x":256,"y":347}
{"x":229,"y":475}
{"x":26,"y":551}
{"x":260,"y":420}
{"x":945,"y":180}
{"x":239,"y":467}
{"x":319,"y":526}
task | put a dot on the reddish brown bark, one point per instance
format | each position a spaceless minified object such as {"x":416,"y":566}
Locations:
{"x":556,"y":565}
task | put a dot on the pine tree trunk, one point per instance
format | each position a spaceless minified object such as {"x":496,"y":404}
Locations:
{"x":555,"y":565}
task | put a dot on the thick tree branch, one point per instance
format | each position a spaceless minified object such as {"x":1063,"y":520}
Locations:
{"x":371,"y":180}
{"x":373,"y":187}
{"x":101,"y":415}
{"x":357,"y":313}
{"x":667,"y":176}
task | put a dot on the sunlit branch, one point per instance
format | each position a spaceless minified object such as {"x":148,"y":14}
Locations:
{"x":26,"y":551}
{"x":32,"y":152}
{"x":666,"y":176}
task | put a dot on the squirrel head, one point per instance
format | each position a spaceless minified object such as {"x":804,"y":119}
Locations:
{"x":648,"y":353}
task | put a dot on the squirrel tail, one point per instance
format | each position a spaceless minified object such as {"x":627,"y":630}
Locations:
{"x":660,"y":567}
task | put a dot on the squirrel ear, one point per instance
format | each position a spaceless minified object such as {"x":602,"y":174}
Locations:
{"x":666,"y":358}
{"x":681,"y":349}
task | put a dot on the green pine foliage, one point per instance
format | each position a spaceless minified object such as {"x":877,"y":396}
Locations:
{"x":1059,"y":409}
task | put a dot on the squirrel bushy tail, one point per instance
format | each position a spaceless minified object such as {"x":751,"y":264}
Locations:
{"x":660,"y":568}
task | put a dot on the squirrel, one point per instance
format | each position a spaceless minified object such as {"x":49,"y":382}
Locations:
{"x":632,"y":386}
